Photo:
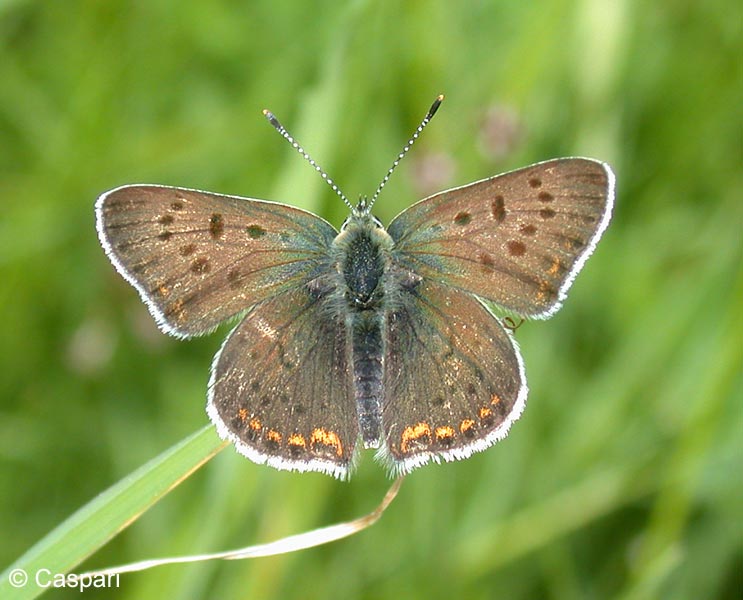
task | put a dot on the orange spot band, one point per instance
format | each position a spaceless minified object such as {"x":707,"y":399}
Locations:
{"x":466,"y":425}
{"x":255,"y":424}
{"x":413,"y":433}
{"x":326,"y":438}
{"x":296,"y":439}
{"x":445,"y":432}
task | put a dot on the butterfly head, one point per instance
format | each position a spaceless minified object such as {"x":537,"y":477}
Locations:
{"x":361,"y":216}
{"x":363,"y":206}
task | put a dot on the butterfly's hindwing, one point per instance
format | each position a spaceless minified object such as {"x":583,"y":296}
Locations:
{"x":281,"y":387}
{"x":454,"y":380}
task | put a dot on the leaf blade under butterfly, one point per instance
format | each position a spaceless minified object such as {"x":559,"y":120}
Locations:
{"x":111,"y":511}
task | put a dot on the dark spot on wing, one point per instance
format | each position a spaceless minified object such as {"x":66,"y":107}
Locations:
{"x":467,"y":427}
{"x":462,"y":218}
{"x":516,"y":248}
{"x":528,"y":229}
{"x":535,"y":182}
{"x":255,"y":231}
{"x":296,"y":450}
{"x":165,"y":235}
{"x":200,"y":265}
{"x":187,"y":250}
{"x":573,"y":243}
{"x":272,"y":440}
{"x":547,"y":213}
{"x":216,"y":225}
{"x":166,"y":220}
{"x":250,"y":433}
{"x":498,"y":208}
{"x":177,"y":205}
{"x":545,"y":197}
{"x":445,"y":435}
{"x":486,"y":416}
{"x":501,"y":408}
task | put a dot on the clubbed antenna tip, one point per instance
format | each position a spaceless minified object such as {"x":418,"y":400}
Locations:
{"x":435,"y":106}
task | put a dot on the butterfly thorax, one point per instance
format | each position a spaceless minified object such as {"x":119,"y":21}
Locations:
{"x":362,"y":250}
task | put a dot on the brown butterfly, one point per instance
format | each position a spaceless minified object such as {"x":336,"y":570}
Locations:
{"x":379,"y":335}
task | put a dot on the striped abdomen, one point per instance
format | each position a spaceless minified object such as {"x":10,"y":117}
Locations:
{"x":366,"y":332}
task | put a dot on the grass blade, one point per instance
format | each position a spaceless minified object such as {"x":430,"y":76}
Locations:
{"x":106,"y":515}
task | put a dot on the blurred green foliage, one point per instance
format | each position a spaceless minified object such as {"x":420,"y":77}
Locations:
{"x":623,"y":477}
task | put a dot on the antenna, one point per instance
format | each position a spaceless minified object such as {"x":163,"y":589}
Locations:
{"x":411,"y":141}
{"x":288,"y":137}
{"x":363,"y":206}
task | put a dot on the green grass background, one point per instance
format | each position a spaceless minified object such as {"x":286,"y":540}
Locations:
{"x":623,"y":477}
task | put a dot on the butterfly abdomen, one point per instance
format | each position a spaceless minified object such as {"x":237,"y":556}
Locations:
{"x":367,"y":346}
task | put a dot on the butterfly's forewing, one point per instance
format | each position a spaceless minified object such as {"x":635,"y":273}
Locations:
{"x":281,"y":387}
{"x":517,"y":239}
{"x":454,"y":380}
{"x":198,"y":258}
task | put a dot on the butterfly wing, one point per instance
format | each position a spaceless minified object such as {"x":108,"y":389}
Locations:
{"x":198,"y":258}
{"x":281,"y":387}
{"x":454,"y":380}
{"x":517,"y":239}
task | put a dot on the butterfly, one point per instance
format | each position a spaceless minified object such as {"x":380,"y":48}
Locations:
{"x":369,"y":336}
